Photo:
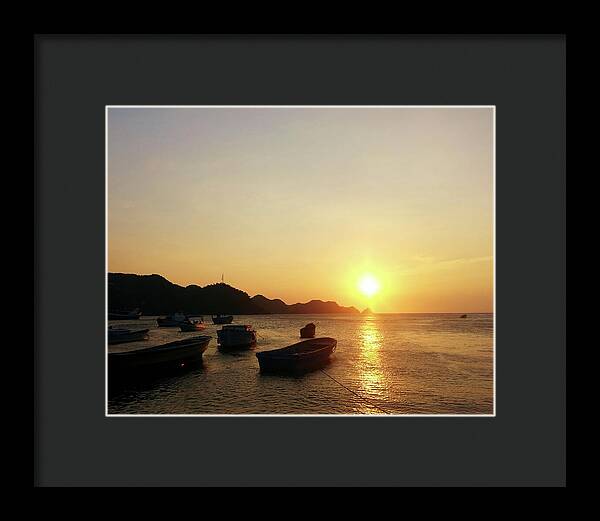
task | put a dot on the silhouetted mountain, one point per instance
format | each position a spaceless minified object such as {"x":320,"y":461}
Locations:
{"x":155,"y":295}
{"x":366,"y":311}
{"x":270,"y":306}
{"x":314,"y":306}
{"x":318,"y":306}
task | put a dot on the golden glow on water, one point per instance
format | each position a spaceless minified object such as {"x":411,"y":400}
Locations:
{"x":372,"y":378}
{"x":399,"y":364}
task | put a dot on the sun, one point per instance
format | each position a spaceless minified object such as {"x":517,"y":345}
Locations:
{"x":368,"y":285}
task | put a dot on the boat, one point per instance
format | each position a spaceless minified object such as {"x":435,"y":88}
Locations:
{"x":308,"y":331}
{"x":193,"y":325}
{"x":125,"y":315}
{"x":301,"y":357}
{"x":222,"y":319}
{"x":117,"y":335}
{"x":174,"y":320}
{"x":175,"y":354}
{"x":236,"y":337}
{"x":463,"y":316}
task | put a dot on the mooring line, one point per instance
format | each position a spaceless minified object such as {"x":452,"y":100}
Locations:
{"x":355,"y":394}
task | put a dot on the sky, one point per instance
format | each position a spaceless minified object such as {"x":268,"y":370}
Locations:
{"x":303,"y":203}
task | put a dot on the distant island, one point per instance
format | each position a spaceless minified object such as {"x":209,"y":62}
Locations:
{"x":155,"y":295}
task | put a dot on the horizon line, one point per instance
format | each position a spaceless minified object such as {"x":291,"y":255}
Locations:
{"x":334,"y":301}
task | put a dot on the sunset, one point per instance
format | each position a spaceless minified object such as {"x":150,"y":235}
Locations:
{"x":368,"y":285}
{"x":351,"y":247}
{"x":300,"y":203}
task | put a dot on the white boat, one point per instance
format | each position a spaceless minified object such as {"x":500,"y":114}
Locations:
{"x":236,"y":337}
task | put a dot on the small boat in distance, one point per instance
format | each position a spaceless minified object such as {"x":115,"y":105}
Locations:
{"x":222,"y":319}
{"x":308,"y":331}
{"x":463,"y":316}
{"x":117,"y":335}
{"x":175,"y":354}
{"x":125,"y":315}
{"x":236,"y":337}
{"x":194,"y":325}
{"x":298,"y":358}
{"x":174,"y":320}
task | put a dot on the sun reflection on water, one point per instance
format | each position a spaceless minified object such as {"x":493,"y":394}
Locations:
{"x":372,"y":378}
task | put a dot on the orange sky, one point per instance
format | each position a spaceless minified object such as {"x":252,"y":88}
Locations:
{"x":300,"y":203}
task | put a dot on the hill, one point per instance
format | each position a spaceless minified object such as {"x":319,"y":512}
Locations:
{"x":155,"y":295}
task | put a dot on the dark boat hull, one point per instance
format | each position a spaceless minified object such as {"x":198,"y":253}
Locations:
{"x":172,"y":354}
{"x":302,"y":357}
{"x":222,"y":320}
{"x":131,"y":336}
{"x":236,"y":337}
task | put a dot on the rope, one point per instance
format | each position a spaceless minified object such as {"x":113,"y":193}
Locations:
{"x":355,"y":394}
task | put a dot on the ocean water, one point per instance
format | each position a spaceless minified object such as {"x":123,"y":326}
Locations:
{"x":384,"y":364}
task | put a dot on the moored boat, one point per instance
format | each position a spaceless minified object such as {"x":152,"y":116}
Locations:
{"x":125,"y":315}
{"x":300,"y":357}
{"x":194,"y":325}
{"x":174,"y":354}
{"x":236,"y":337}
{"x":173,"y":320}
{"x":308,"y":331}
{"x":122,"y":335}
{"x":222,"y":319}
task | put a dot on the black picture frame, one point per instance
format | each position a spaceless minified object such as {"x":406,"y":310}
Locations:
{"x":77,"y":76}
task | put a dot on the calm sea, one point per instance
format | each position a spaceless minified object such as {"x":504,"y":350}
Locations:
{"x":387,"y":363}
